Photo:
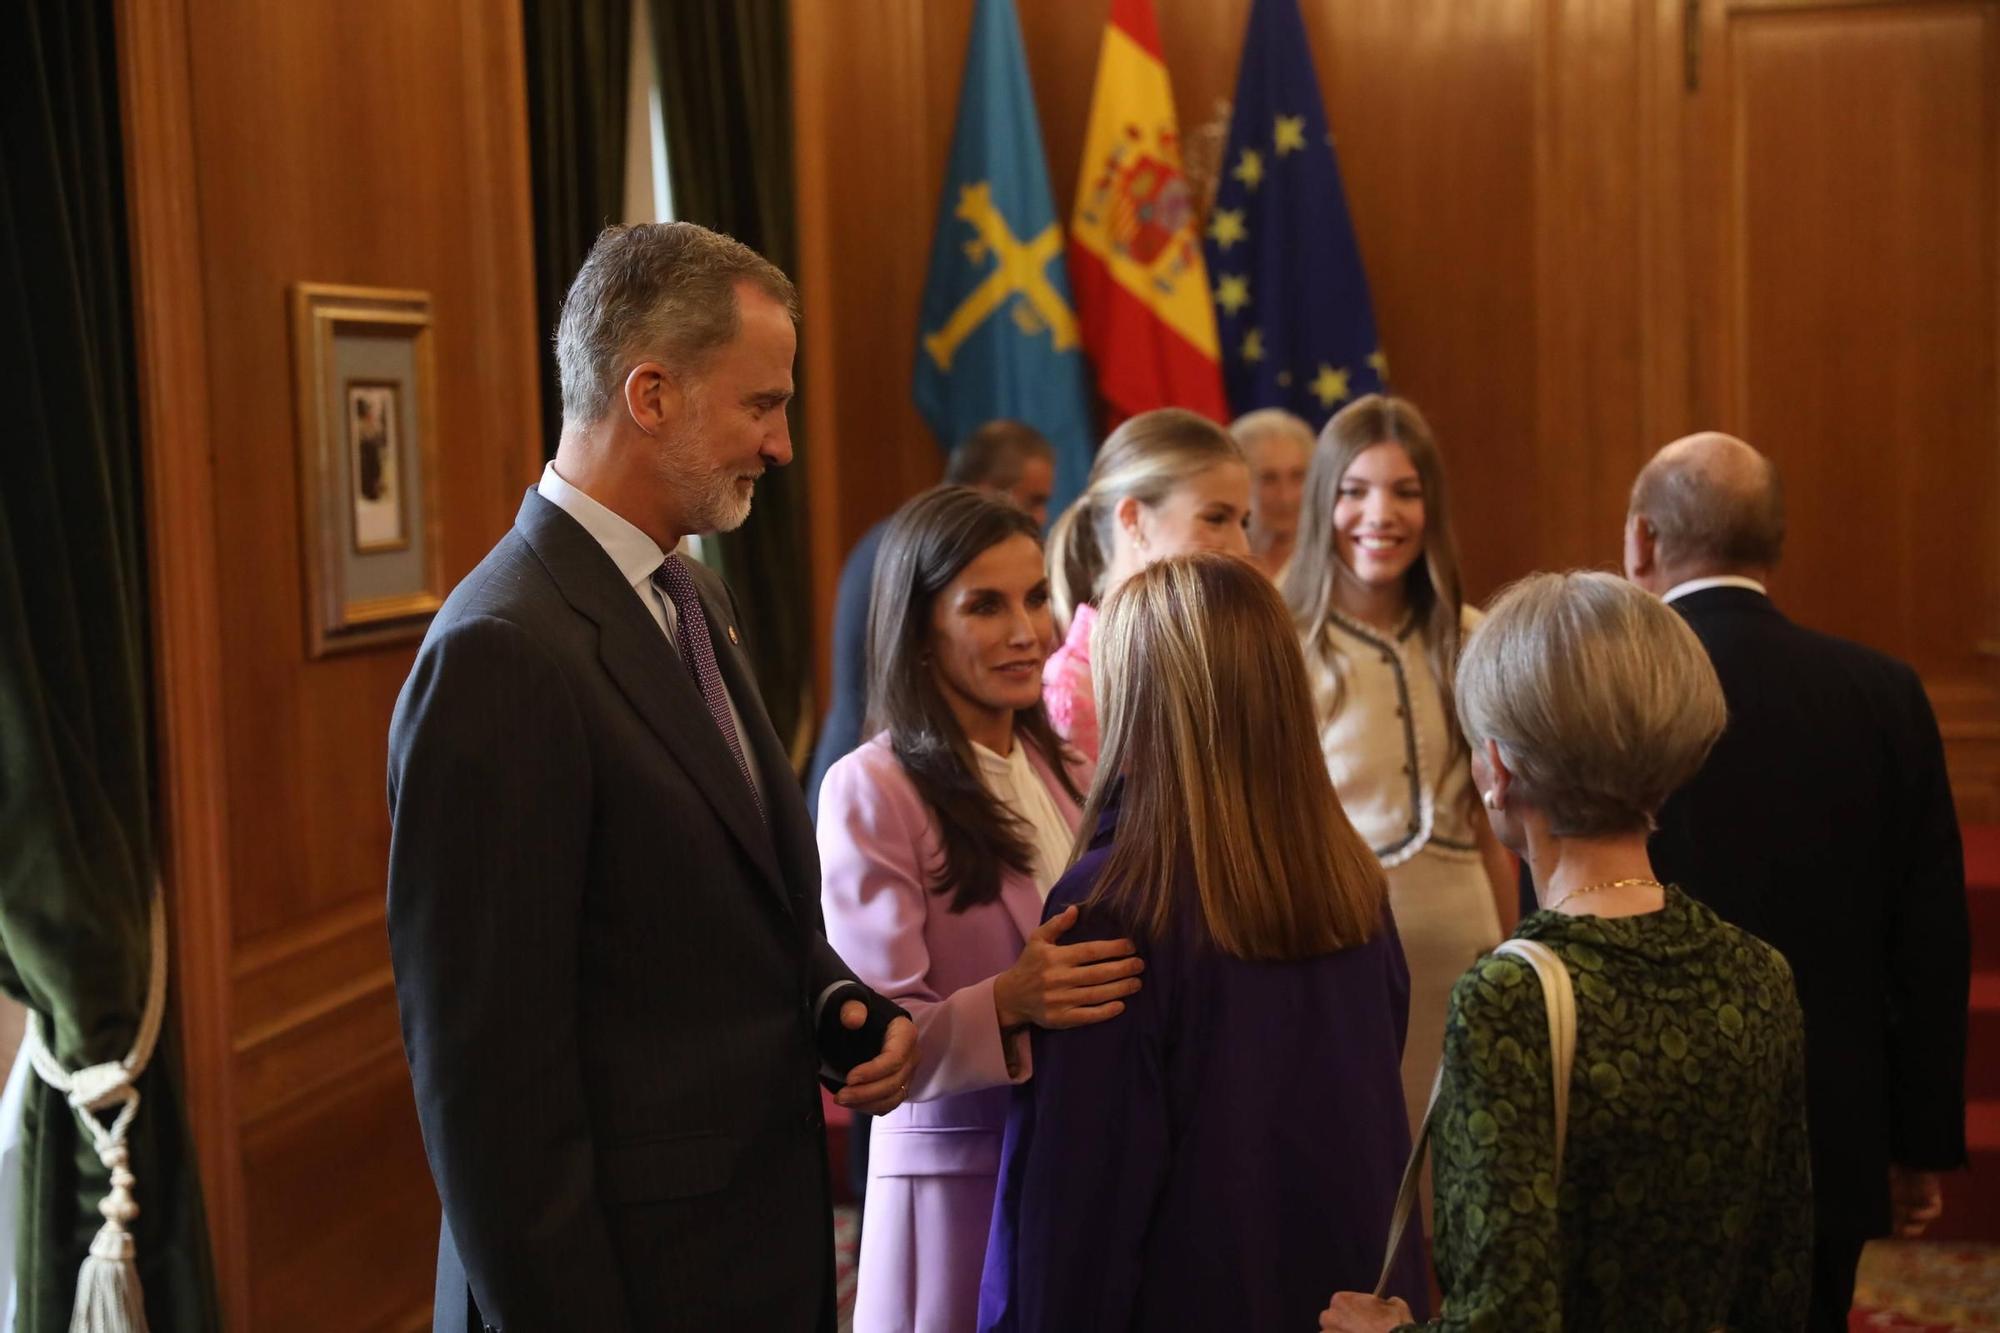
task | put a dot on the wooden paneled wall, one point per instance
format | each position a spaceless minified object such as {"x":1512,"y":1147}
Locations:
{"x":370,"y":142}
{"x":1588,"y":230}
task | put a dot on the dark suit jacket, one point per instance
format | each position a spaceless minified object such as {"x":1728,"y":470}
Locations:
{"x":840,"y":732}
{"x":1823,"y":823}
{"x":607,"y":963}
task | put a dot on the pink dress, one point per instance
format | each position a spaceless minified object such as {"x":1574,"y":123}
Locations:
{"x":1066,"y":695}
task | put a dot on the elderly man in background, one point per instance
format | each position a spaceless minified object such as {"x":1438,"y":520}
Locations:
{"x":1823,"y":823}
{"x":1278,"y":446}
{"x":604,"y":916}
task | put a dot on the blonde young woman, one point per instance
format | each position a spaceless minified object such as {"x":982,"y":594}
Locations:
{"x":1374,"y":594}
{"x":1207,"y":1159}
{"x":1165,"y":483}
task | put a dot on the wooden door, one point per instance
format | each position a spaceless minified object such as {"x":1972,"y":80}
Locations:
{"x":1839,"y":198}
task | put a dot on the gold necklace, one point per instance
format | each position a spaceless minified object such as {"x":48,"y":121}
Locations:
{"x":1607,"y":884}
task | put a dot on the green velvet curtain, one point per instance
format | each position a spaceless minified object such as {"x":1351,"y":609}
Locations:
{"x":76,"y":844}
{"x":578,"y":55}
{"x":725,"y":93}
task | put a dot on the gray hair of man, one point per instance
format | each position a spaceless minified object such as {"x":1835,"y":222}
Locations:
{"x":1714,"y":506}
{"x":995,"y":454}
{"x":1251,"y":427}
{"x":662,"y":291}
{"x":1601,"y":700}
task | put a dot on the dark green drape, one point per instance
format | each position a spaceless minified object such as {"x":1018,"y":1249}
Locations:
{"x":578,"y":55}
{"x":725,"y":96}
{"x":76,"y":845}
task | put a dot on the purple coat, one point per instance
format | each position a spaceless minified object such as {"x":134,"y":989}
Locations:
{"x":1223,"y":1156}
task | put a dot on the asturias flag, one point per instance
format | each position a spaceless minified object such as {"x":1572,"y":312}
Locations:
{"x":1291,"y":300}
{"x":1134,"y":251}
{"x":998,"y":336}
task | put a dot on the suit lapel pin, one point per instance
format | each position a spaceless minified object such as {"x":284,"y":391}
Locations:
{"x":732,"y":635}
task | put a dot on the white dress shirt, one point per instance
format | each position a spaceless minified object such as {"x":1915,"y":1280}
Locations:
{"x":1017,"y":784}
{"x":1716,"y":581}
{"x":637,"y":557}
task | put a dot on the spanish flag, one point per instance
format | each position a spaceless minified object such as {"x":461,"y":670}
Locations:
{"x":1135,"y":257}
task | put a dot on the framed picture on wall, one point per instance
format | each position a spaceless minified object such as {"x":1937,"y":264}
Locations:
{"x":368,"y":540}
{"x":374,"y":470}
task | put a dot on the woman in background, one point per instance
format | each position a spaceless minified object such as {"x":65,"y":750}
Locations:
{"x":1374,"y":593}
{"x":1165,"y":483}
{"x":1684,"y":1201}
{"x":1278,"y":447}
{"x":938,"y":840}
{"x":1206,"y":1161}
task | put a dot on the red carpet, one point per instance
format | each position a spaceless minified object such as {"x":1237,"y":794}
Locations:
{"x":1972,"y":1198}
{"x":1927,"y":1287}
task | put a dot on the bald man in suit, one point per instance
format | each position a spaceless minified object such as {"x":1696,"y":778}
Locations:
{"x":1822,"y":822}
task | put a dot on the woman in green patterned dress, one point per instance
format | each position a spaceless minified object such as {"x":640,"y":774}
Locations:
{"x":1685,"y":1199}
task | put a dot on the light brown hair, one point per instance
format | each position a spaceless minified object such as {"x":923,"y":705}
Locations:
{"x":1148,"y":457}
{"x":1316,"y":568}
{"x":1203,"y":698}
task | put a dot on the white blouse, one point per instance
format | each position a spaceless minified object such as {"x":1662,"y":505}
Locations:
{"x":1016,"y":783}
{"x":1388,"y":748}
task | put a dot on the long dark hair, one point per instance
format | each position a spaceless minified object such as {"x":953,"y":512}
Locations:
{"x":929,"y":543}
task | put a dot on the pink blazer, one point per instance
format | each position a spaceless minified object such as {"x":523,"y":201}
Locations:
{"x":876,"y":840}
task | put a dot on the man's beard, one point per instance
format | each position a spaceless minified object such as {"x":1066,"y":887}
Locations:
{"x":714,"y":499}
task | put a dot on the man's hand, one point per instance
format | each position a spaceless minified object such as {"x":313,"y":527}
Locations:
{"x":877,"y":1087}
{"x":1358,"y":1312}
{"x":1916,"y":1199}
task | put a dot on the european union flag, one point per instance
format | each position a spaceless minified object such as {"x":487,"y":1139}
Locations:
{"x":1291,"y":300}
{"x":998,"y":336}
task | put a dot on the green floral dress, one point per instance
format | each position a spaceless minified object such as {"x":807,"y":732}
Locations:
{"x":1686,"y":1199}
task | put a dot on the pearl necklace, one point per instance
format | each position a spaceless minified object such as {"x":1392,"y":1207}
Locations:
{"x":1607,"y":884}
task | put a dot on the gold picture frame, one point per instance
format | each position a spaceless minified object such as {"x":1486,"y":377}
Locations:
{"x":364,"y":385}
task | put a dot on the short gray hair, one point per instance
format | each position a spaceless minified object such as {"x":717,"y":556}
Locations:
{"x":1601,"y":699}
{"x":1253,"y":426}
{"x":1703,"y":514}
{"x":663,"y":290}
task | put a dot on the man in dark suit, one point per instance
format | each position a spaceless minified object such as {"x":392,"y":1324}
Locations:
{"x":1823,"y":823}
{"x":603,"y":890}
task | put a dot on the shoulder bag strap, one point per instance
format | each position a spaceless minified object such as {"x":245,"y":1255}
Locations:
{"x":1559,"y":1002}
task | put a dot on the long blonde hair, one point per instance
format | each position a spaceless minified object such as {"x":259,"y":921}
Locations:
{"x":1203,"y":697}
{"x":1432,"y":583}
{"x":1147,"y":458}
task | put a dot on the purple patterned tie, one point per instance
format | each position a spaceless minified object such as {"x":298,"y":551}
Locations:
{"x":698,"y":655}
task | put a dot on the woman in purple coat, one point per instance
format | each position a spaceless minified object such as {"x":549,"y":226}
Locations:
{"x":1210,"y":1158}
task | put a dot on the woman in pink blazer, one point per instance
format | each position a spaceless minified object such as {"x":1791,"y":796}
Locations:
{"x":938,"y":841}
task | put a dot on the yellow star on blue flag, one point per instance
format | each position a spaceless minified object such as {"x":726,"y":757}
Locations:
{"x":1280,"y":230}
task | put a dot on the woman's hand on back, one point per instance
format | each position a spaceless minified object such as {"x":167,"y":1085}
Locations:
{"x":1066,"y":985}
